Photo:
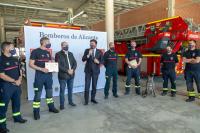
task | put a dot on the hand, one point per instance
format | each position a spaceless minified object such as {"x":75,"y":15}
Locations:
{"x":44,"y":70}
{"x":90,"y":52}
{"x":96,"y":61}
{"x":18,"y":82}
{"x":70,"y":71}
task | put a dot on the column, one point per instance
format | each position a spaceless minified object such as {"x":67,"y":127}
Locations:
{"x":2,"y":30}
{"x":171,"y":8}
{"x":109,"y":9}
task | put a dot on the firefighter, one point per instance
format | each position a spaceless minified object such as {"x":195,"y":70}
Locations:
{"x":42,"y":77}
{"x":192,"y":69}
{"x":11,"y":78}
{"x":110,"y":63}
{"x":133,"y":59}
{"x":168,"y":62}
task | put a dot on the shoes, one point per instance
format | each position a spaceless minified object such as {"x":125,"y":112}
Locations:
{"x":72,"y":104}
{"x":62,"y":107}
{"x":106,"y":97}
{"x":94,"y":101}
{"x":164,"y":93}
{"x":20,"y":120}
{"x":116,"y":96}
{"x":54,"y":110}
{"x":36,"y":115}
{"x":190,"y":100}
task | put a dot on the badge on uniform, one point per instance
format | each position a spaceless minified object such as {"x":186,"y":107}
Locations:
{"x":16,"y":63}
{"x":7,"y":63}
{"x":42,"y":56}
{"x":171,"y":58}
{"x":193,"y":54}
{"x":135,"y":54}
{"x":47,"y":55}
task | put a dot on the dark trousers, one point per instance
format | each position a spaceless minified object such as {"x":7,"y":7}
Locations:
{"x":63,"y":83}
{"x":135,"y":73}
{"x":88,"y":78}
{"x":190,"y":77}
{"x":169,"y":75}
{"x":9,"y":92}
{"x":111,"y":73}
{"x":42,"y":79}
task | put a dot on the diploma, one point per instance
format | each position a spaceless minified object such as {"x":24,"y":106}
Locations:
{"x":133,"y":63}
{"x":51,"y":66}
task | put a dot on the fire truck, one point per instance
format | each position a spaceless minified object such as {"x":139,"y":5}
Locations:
{"x":152,"y":39}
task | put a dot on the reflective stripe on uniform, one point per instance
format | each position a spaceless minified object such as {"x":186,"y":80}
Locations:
{"x":137,"y":86}
{"x":174,"y":90}
{"x":2,"y":120}
{"x":165,"y":89}
{"x":192,"y":93}
{"x":106,"y":76}
{"x":127,"y":85}
{"x":35,"y":89}
{"x":49,"y":100}
{"x":36,"y":104}
{"x":16,"y":114}
{"x":2,"y":104}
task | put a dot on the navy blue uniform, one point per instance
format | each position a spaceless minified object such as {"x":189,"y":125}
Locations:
{"x":110,"y":63}
{"x":41,"y":56}
{"x":192,"y":72}
{"x":168,"y":71}
{"x":133,"y":72}
{"x":10,"y":66}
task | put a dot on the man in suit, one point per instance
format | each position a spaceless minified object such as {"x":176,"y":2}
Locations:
{"x":67,"y":67}
{"x":93,"y":58}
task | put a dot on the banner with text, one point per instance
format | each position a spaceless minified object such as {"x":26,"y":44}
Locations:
{"x":78,"y":40}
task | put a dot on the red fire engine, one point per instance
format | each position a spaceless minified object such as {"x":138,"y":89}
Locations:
{"x":152,"y":39}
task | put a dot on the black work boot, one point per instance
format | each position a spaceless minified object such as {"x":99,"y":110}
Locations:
{"x":190,"y":99}
{"x":127,"y":91}
{"x":36,"y":115}
{"x":164,"y":93}
{"x":53,"y":110}
{"x":20,"y":120}
{"x":4,"y":130}
{"x":173,"y":94}
{"x":137,"y":91}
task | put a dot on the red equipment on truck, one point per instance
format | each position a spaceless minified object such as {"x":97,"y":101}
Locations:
{"x":159,"y":34}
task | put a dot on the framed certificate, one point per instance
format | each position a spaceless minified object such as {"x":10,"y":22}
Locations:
{"x":51,"y":66}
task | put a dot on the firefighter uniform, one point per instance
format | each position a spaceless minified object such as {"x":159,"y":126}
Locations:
{"x":133,"y":72}
{"x":168,"y":72}
{"x":192,"y":72}
{"x":41,"y":56}
{"x":110,"y":62}
{"x":9,"y":66}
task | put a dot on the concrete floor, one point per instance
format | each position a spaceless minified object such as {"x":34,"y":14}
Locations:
{"x":127,"y":114}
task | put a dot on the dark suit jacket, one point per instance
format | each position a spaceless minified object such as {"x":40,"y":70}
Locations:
{"x":61,"y":58}
{"x":90,"y":66}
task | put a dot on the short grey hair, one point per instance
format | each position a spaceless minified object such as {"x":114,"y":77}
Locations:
{"x":62,"y":43}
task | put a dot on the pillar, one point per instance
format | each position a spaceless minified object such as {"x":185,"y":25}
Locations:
{"x":2,"y":30}
{"x":109,"y":10}
{"x":171,"y":8}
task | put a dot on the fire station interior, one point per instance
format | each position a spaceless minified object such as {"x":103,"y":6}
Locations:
{"x":152,"y":24}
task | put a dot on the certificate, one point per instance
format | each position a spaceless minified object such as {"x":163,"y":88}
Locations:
{"x":133,"y":63}
{"x":51,"y":66}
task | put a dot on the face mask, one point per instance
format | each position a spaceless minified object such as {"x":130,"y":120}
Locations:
{"x":48,"y":45}
{"x":13,"y":52}
{"x":92,"y":47}
{"x":65,"y":48}
{"x":112,"y":48}
{"x":190,"y":46}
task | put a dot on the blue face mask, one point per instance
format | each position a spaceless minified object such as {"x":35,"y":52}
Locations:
{"x":48,"y":45}
{"x":13,"y":52}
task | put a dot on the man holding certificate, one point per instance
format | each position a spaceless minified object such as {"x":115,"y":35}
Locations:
{"x":43,"y":77}
{"x":133,"y":59}
{"x":67,"y":67}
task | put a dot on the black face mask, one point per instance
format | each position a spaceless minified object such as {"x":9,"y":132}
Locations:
{"x":112,"y":48}
{"x":66,"y":48}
